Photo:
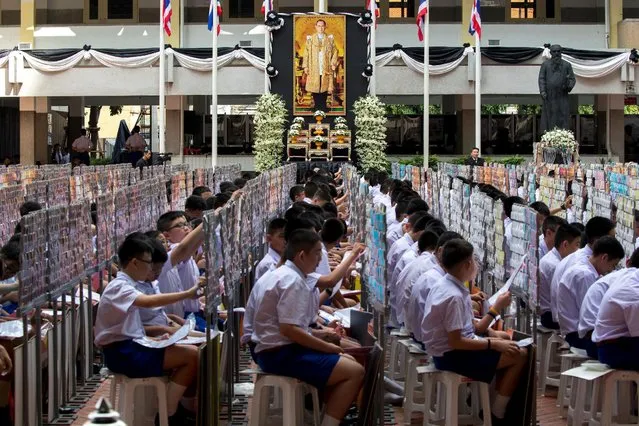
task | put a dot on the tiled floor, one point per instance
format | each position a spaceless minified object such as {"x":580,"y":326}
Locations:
{"x":547,"y":412}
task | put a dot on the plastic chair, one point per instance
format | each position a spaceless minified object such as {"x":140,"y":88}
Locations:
{"x":412,"y":394}
{"x":548,"y":377}
{"x":125,"y":388}
{"x":620,"y":400}
{"x":568,"y":361}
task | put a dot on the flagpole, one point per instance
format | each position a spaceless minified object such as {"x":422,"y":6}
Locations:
{"x":426,"y":89}
{"x":373,"y":81}
{"x":477,"y":92}
{"x":162,"y":101}
{"x":214,"y":89}
{"x":267,"y":46}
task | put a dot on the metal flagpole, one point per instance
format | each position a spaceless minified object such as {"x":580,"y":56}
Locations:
{"x":373,"y":80}
{"x":322,"y":6}
{"x":477,"y":92}
{"x":214,"y":90}
{"x":162,"y":102}
{"x":426,"y":90}
{"x":267,"y":46}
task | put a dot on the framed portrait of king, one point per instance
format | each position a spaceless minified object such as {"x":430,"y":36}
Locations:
{"x":319,"y":65}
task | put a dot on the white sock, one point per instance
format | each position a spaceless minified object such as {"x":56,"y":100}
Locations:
{"x":329,"y":421}
{"x":499,"y":406}
{"x":174,"y":393}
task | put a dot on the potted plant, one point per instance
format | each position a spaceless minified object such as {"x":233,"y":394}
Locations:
{"x":341,"y":126}
{"x":294,"y":134}
{"x":319,"y":116}
{"x":341,"y":135}
{"x":298,"y":120}
{"x":319,"y":141}
{"x":558,"y":142}
{"x":340,"y":120}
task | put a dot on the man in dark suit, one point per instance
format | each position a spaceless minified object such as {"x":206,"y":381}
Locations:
{"x":474,"y":159}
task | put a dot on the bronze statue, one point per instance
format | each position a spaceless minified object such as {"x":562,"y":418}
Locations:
{"x":556,"y":81}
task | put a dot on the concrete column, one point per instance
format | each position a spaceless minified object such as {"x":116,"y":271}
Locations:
{"x":27,"y":21}
{"x":615,"y":140}
{"x":34,"y":128}
{"x":466,"y":123}
{"x":616,"y":17}
{"x":174,"y":123}
{"x":465,"y":37}
{"x":76,"y":119}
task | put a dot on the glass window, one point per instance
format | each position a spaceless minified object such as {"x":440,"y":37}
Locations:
{"x":120,"y":9}
{"x":241,"y":9}
{"x":401,"y":8}
{"x":523,"y":9}
{"x":94,"y":9}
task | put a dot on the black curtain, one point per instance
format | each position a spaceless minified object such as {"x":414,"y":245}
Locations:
{"x":511,"y":55}
{"x":9,"y":132}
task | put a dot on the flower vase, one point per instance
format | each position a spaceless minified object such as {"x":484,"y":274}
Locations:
{"x":293,"y":139}
{"x":318,"y":145}
{"x":340,"y":139}
{"x":550,"y":154}
{"x":566,"y":156}
{"x":319,"y":119}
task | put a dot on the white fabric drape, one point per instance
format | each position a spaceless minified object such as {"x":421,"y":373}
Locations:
{"x":598,"y":68}
{"x":204,"y":65}
{"x":4,"y":60}
{"x":53,"y":66}
{"x":111,"y":61}
{"x":386,"y":58}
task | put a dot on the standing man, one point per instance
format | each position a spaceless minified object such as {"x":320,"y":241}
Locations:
{"x":81,"y":148}
{"x":320,"y":64}
{"x":474,"y":159}
{"x":556,"y":81}
{"x":136,"y":145}
{"x":146,"y":160}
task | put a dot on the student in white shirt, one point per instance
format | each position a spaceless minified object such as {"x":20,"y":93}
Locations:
{"x":395,"y":231}
{"x":573,"y":286}
{"x":409,"y":238}
{"x":383,"y":196}
{"x":275,"y":238}
{"x":617,"y":328}
{"x":284,"y":344}
{"x":548,"y":232}
{"x":595,"y":294}
{"x":296,"y":193}
{"x":449,"y":334}
{"x":566,"y":241}
{"x":596,"y":228}
{"x":118,"y":324}
{"x":309,"y":192}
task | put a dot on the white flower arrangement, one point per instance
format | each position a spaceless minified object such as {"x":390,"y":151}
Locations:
{"x":294,"y":132}
{"x":341,"y":132}
{"x":370,"y":141}
{"x":320,"y":139}
{"x":319,"y":113}
{"x":340,"y":120}
{"x":298,"y":120}
{"x":270,"y":119}
{"x":560,"y":139}
{"x":296,"y":126}
{"x":341,"y":126}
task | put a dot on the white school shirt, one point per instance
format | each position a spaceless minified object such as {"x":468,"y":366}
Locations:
{"x":118,"y":319}
{"x":169,"y":282}
{"x":407,"y":258}
{"x":447,"y":308}
{"x":547,"y":268}
{"x":394,"y":233}
{"x":637,"y":243}
{"x":619,"y":311}
{"x":285,"y":301}
{"x":414,"y":313}
{"x":257,"y":293}
{"x":308,"y":200}
{"x":407,"y":279}
{"x":268,"y":263}
{"x":391,"y":216}
{"x":561,"y":268}
{"x":397,"y":250}
{"x":384,"y":199}
{"x":571,"y":292}
{"x":151,"y":316}
{"x":594,"y":296}
{"x":189,"y":275}
{"x":543,"y":248}
{"x":374,"y":191}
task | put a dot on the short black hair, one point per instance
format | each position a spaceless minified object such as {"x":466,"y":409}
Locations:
{"x":239,"y":182}
{"x":427,"y":241}
{"x":416,"y":205}
{"x":132,"y":248}
{"x":329,"y":210}
{"x":422,"y":223}
{"x":275,"y":225}
{"x":195,"y":202}
{"x":153,"y":234}
{"x":323,"y":195}
{"x":567,"y":233}
{"x":633,"y":262}
{"x":164,"y":222}
{"x":446,"y":237}
{"x":510,"y":202}
{"x":300,"y":240}
{"x":400,"y":208}
{"x":11,"y":250}
{"x":83,"y":132}
{"x":371,"y":177}
{"x":210,"y":203}
{"x":225,"y":185}
{"x":415,"y":217}
{"x":199,"y":190}
{"x":579,"y":226}
{"x":332,"y":231}
{"x":295,"y":191}
{"x":610,"y":246}
{"x":221,"y":199}
{"x":551,"y":223}
{"x":303,"y":221}
{"x":29,"y":207}
{"x":159,"y":254}
{"x":310,"y":189}
{"x":541,"y":208}
{"x":598,"y":227}
{"x":385,"y":186}
{"x":456,"y":251}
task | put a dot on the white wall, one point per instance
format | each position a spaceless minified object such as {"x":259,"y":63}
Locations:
{"x":9,"y":37}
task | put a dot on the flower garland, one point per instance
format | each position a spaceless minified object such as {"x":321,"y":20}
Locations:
{"x":370,"y":142}
{"x":560,"y":139}
{"x":270,"y":117}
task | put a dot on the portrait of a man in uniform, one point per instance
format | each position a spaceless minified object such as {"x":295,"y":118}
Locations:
{"x":320,"y":82}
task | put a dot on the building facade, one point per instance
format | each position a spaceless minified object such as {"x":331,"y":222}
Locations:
{"x":27,"y":98}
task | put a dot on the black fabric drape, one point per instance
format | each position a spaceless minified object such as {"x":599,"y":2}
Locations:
{"x":511,"y":55}
{"x":438,"y":55}
{"x":4,"y":52}
{"x":127,"y":53}
{"x":205,"y":53}
{"x":9,"y":132}
{"x":52,"y":54}
{"x":589,"y":55}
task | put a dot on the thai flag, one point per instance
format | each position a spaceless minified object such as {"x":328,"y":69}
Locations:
{"x":371,"y":5}
{"x":215,"y":6}
{"x":270,"y":6}
{"x":167,"y":13}
{"x":421,"y":16}
{"x":475,"y":20}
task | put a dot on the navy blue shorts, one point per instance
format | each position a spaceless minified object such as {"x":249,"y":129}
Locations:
{"x":621,"y":354}
{"x":200,"y":321}
{"x":547,"y":321}
{"x":585,"y":343}
{"x":298,"y":362}
{"x":476,"y":365}
{"x":134,"y":360}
